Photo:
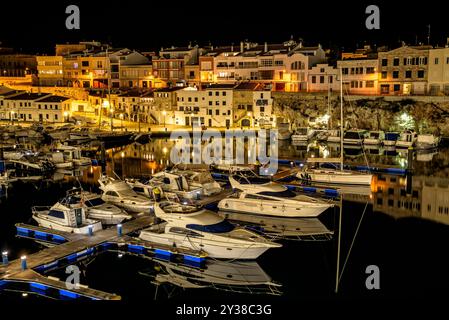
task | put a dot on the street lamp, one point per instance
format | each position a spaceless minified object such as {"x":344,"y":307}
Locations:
{"x":164,"y":113}
{"x":121,"y":120}
{"x":66,"y":116}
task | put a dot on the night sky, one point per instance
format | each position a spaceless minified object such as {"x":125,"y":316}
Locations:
{"x":148,"y":25}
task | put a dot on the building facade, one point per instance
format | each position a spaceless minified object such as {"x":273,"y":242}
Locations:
{"x":438,"y":79}
{"x":31,"y":107}
{"x":404,"y":71}
{"x":360,"y":76}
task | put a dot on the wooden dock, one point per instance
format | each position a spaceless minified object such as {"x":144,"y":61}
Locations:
{"x":78,"y":246}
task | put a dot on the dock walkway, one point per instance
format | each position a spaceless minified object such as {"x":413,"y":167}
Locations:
{"x":78,"y":246}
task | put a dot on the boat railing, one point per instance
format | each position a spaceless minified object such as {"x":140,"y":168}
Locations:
{"x":36,"y":209}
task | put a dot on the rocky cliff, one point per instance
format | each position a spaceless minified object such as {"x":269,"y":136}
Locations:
{"x":423,"y":114}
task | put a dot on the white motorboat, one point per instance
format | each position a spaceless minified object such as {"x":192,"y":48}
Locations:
{"x":391,"y":138}
{"x":149,"y":190}
{"x":354,"y":137}
{"x":199,"y":178}
{"x":228,"y":166}
{"x":427,"y":141}
{"x":15,"y":152}
{"x":270,"y":198}
{"x":98,"y":209}
{"x":119,"y":193}
{"x":67,"y":215}
{"x":61,"y":133}
{"x":73,"y":154}
{"x":57,"y":158}
{"x":199,"y":229}
{"x":407,"y":139}
{"x":176,"y":183}
{"x":374,"y":138}
{"x":303,"y":134}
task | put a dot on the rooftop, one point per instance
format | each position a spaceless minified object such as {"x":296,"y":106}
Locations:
{"x":220,"y":86}
{"x":54,"y":99}
{"x":27,"y":96}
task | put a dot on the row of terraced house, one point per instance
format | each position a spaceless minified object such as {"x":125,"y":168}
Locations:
{"x":289,"y":66}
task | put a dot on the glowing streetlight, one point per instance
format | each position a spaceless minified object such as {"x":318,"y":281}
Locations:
{"x":66,"y":116}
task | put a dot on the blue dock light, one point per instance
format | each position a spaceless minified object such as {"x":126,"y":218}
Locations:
{"x":24,"y":262}
{"x":5,"y":257}
{"x":90,"y":228}
{"x":119,"y":230}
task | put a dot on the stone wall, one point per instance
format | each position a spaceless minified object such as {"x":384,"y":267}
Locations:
{"x":425,"y":114}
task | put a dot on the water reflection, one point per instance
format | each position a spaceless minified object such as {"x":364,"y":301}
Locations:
{"x":236,"y":276}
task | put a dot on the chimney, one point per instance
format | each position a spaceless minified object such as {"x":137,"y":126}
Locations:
{"x":241,"y":46}
{"x":265,"y":48}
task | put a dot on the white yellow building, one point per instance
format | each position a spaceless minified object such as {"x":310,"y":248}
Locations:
{"x":50,"y":70}
{"x":322,"y":78}
{"x":211,"y":107}
{"x":283,"y":66}
{"x":360,"y":75}
{"x":30,"y":107}
{"x":438,"y":73}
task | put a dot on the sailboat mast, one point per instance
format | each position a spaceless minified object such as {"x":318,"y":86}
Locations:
{"x":341,"y":119}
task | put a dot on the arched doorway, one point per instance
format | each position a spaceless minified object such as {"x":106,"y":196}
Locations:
{"x":246,"y":123}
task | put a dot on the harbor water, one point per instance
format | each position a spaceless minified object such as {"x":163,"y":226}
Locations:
{"x":399,"y":224}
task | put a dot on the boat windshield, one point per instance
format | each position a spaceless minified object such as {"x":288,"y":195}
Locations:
{"x":251,"y":180}
{"x":301,"y":131}
{"x":94,"y":202}
{"x":353,"y":135}
{"x":280,"y":194}
{"x":374,"y":135}
{"x":221,"y":227}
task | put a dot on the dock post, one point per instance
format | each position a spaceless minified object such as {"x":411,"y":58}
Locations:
{"x":409,"y":170}
{"x":119,"y":230}
{"x":90,"y":229}
{"x":24,"y":262}
{"x":5,"y":258}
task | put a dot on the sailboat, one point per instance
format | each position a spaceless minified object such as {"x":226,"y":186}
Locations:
{"x":335,"y":176}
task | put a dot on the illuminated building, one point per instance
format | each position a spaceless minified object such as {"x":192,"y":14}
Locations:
{"x":404,"y":70}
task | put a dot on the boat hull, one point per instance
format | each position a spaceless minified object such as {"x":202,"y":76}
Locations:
{"x":330,"y":178}
{"x":214,"y":250}
{"x":51,"y":224}
{"x":271,"y":208}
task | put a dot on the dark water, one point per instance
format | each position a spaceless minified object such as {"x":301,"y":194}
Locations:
{"x":404,"y":234}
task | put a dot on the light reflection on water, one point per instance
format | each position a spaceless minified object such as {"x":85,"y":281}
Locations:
{"x":430,"y":179}
{"x":428,"y":199}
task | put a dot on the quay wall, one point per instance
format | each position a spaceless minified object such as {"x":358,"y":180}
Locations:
{"x":425,"y":114}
